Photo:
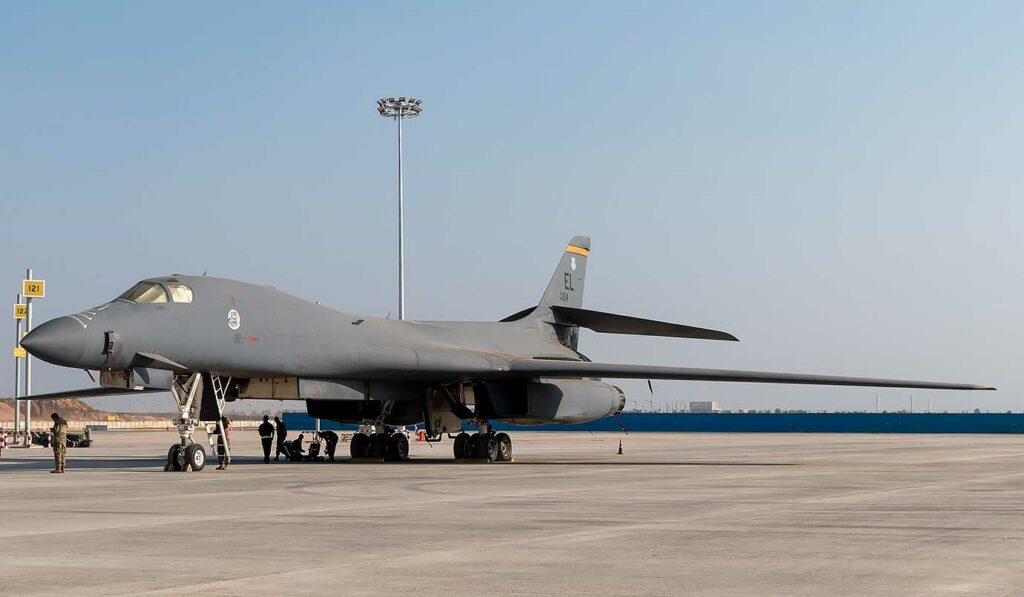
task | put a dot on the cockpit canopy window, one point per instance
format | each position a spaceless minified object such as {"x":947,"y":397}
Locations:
{"x":145,"y":293}
{"x":179,"y":292}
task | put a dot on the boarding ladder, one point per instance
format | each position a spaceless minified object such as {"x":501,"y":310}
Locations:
{"x":216,"y":431}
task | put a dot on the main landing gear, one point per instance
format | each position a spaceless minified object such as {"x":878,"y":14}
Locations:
{"x":392,"y":446}
{"x":484,"y":445}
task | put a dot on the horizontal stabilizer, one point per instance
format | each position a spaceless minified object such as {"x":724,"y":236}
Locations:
{"x":569,"y":369}
{"x":610,"y":323}
{"x":518,"y":315}
{"x":88,"y":393}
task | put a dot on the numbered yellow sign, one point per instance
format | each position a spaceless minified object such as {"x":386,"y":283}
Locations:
{"x":20,"y":311}
{"x":33,"y":288}
{"x":19,"y":352}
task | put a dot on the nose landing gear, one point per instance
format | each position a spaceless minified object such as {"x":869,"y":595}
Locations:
{"x":184,"y":394}
{"x":187,"y":454}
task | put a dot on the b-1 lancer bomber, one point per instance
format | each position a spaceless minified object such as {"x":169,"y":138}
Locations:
{"x":210,"y":341}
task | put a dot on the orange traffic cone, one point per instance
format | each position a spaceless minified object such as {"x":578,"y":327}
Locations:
{"x":620,"y":446}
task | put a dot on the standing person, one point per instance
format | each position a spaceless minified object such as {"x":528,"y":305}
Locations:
{"x":282,"y":432}
{"x":224,"y":445}
{"x":330,"y":438}
{"x":266,"y":437}
{"x":59,"y":433}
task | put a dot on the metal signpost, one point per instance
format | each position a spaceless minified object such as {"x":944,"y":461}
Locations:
{"x":31,"y":289}
{"x":400,"y":108}
{"x":20,"y":313}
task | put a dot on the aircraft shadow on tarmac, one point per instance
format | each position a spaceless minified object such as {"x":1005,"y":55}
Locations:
{"x":15,"y":465}
{"x":669,"y":463}
{"x":449,"y":461}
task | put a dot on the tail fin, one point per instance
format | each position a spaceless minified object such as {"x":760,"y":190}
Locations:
{"x":564,"y":290}
{"x":566,"y":286}
{"x":561,"y":307}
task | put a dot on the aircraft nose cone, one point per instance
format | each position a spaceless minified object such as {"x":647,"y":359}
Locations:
{"x":60,"y":341}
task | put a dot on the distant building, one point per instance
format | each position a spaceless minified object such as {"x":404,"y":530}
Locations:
{"x":705,"y":407}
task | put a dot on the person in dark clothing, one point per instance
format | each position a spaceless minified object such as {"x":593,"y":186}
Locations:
{"x":266,"y":437}
{"x":282,"y":432}
{"x":330,"y":440}
{"x":224,"y":444}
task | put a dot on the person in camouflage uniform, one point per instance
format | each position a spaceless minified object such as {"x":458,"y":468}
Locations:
{"x":59,"y":441}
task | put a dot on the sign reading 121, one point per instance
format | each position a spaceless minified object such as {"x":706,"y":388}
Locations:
{"x":33,"y":288}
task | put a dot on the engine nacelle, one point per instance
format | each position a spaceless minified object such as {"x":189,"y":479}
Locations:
{"x":551,"y":401}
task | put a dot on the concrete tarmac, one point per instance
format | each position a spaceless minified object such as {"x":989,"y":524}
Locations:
{"x":701,"y":514}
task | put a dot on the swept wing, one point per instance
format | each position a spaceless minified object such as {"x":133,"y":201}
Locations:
{"x":569,"y":369}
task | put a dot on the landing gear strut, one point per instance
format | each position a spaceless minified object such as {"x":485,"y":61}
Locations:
{"x":187,"y":454}
{"x":184,"y":394}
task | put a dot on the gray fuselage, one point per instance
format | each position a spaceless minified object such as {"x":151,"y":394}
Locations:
{"x":247,"y":330}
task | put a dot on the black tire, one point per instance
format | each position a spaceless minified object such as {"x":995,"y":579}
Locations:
{"x":379,"y":445}
{"x":471,"y":443}
{"x":504,"y":447}
{"x":487,"y":447}
{"x":357,"y":447}
{"x":398,"y":447}
{"x":176,"y":458}
{"x":195,"y":456}
{"x":460,"y":445}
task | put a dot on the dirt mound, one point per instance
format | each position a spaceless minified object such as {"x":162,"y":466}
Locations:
{"x":72,"y":409}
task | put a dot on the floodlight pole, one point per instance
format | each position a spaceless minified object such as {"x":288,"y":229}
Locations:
{"x":401,"y":226}
{"x":399,"y":109}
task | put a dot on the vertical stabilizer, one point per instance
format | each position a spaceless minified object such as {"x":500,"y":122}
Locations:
{"x":566,"y":286}
{"x":564,"y":290}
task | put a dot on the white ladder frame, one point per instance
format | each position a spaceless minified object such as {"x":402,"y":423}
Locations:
{"x":220,"y":397}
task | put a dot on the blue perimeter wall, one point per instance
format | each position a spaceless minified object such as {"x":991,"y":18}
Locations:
{"x":761,"y":423}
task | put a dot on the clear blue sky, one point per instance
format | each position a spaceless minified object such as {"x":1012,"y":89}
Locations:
{"x":838,"y":184}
